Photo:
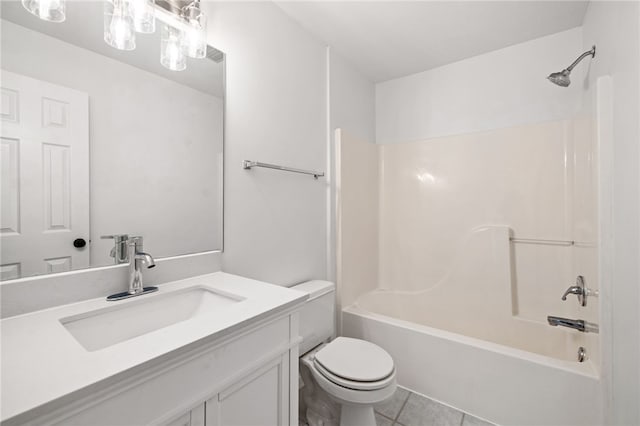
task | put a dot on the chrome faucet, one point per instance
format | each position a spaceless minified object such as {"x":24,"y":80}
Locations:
{"x":576,"y":324}
{"x":580,"y":290}
{"x":119,"y":250}
{"x":574,"y":289}
{"x":136,"y":258}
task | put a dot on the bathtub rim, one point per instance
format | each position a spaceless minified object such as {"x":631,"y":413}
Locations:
{"x":586,"y":369}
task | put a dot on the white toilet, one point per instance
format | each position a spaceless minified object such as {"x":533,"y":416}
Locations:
{"x":355,"y":373}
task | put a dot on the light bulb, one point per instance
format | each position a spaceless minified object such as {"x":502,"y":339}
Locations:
{"x":47,"y":10}
{"x":195,"y":45}
{"x":143,"y":16}
{"x":171,"y":49}
{"x":118,"y":25}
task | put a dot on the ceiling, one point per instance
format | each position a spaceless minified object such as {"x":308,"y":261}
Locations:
{"x":83,"y":27}
{"x":391,"y":39}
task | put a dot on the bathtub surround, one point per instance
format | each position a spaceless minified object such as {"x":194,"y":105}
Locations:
{"x":615,"y":28}
{"x":432,"y":196}
{"x":459,"y":305}
{"x":448,"y":210}
{"x":476,"y":299}
{"x":357,"y":196}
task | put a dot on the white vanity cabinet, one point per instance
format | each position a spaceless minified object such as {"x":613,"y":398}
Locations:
{"x":98,"y":363}
{"x":243,"y":379}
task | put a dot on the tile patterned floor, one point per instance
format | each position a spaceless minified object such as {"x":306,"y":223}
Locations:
{"x":409,"y":409}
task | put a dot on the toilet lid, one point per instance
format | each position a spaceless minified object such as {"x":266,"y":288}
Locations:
{"x":355,"y":360}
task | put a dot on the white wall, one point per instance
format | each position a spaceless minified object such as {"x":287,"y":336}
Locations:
{"x":503,"y":88}
{"x":352,"y":99}
{"x":614,"y":28}
{"x":155,"y":146}
{"x":275,"y":222}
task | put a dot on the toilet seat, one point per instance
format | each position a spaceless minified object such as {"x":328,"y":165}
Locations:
{"x":348,"y":392}
{"x":355,"y":364}
{"x":352,"y":384}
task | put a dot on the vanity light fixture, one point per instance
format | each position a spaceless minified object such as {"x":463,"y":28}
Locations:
{"x":47,"y":10}
{"x":183,"y":33}
{"x":119,"y":31}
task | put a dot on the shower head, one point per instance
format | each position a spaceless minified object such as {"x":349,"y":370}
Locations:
{"x":561,"y":78}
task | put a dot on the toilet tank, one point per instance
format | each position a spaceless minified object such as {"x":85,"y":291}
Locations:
{"x":317,"y":317}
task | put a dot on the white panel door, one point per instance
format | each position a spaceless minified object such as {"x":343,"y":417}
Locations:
{"x":45,"y":177}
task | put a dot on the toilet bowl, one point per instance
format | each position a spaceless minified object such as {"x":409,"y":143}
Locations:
{"x":355,"y":373}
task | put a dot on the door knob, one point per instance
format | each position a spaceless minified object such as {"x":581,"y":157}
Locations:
{"x":79,"y":242}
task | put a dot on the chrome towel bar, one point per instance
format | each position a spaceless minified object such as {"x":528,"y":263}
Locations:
{"x":247,"y":165}
{"x":544,"y":242}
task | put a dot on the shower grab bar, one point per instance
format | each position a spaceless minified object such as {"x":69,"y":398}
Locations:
{"x":247,"y":165}
{"x":543,"y":242}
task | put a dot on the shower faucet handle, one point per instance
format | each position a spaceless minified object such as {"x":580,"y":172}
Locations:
{"x":574,"y":289}
{"x":580,"y":290}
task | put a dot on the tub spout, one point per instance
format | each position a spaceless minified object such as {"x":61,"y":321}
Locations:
{"x":576,"y":324}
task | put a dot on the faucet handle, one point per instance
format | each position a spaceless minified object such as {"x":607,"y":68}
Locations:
{"x":136,"y":241}
{"x":580,"y":290}
{"x":572,"y":290}
{"x":119,"y":249}
{"x":119,"y":238}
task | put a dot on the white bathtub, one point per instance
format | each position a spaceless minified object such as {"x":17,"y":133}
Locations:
{"x":459,"y":342}
{"x":503,"y":385}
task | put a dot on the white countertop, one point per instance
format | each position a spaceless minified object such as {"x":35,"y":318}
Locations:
{"x":42,"y":362}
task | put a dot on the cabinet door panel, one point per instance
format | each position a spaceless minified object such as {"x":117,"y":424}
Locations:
{"x":259,"y":400}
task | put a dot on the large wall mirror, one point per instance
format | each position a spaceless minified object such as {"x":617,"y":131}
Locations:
{"x":98,"y":141}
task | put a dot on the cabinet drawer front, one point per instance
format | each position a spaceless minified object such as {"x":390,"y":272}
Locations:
{"x":174,"y":387}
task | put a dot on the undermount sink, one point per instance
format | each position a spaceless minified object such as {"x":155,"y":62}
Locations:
{"x":105,"y":327}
